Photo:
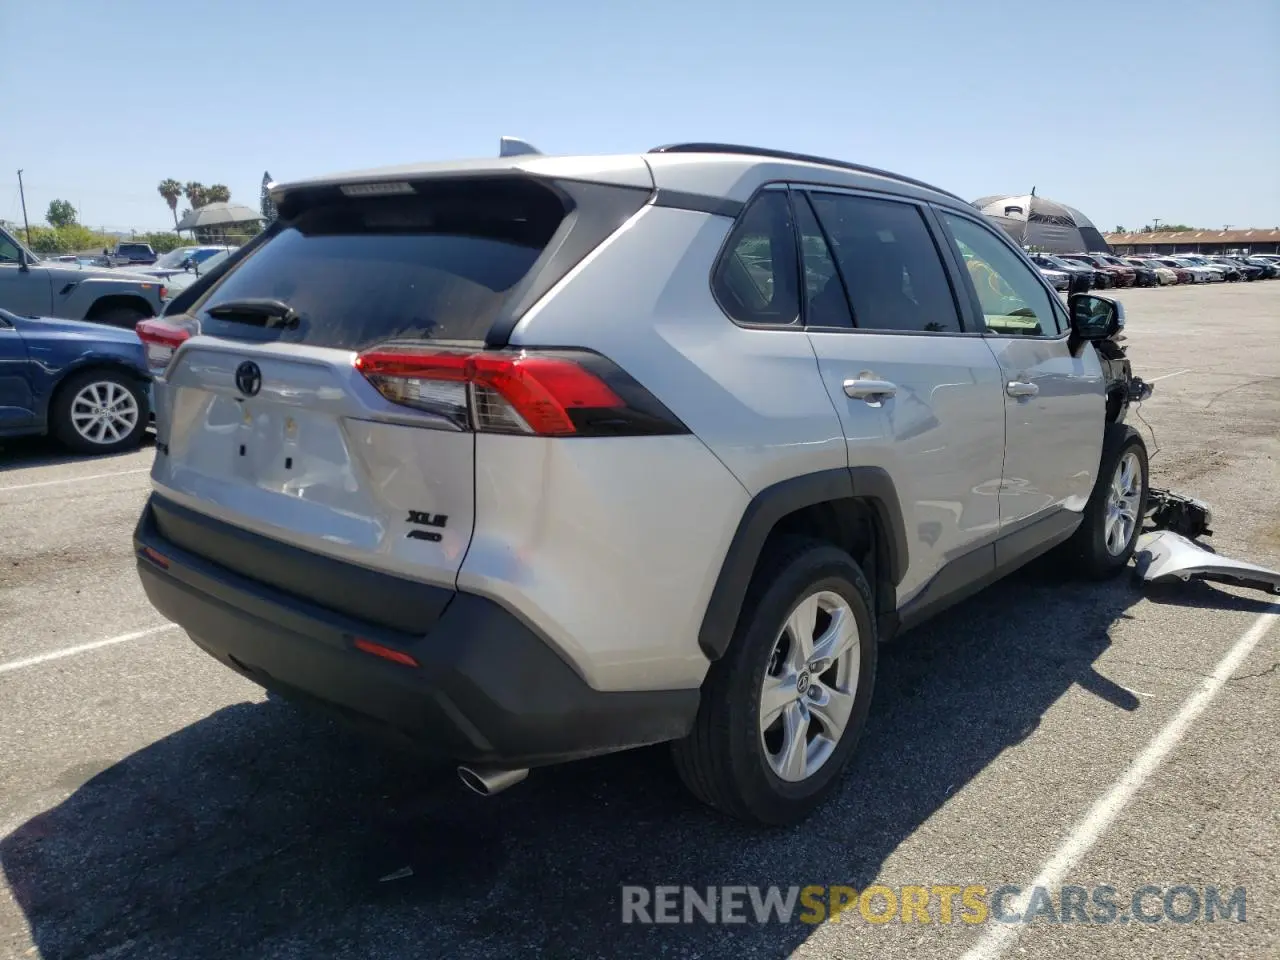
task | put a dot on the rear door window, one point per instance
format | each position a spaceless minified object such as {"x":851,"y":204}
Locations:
{"x":889,"y":263}
{"x":438,"y":265}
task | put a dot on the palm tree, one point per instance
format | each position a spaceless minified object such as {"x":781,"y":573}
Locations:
{"x":196,"y":193}
{"x":171,"y":190}
{"x":217,"y":194}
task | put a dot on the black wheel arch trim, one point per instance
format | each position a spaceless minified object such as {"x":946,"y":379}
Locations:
{"x":870,"y":484}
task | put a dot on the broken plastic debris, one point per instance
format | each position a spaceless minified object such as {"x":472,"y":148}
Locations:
{"x":1165,"y":556}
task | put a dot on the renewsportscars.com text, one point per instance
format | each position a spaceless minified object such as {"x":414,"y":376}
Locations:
{"x":936,"y":903}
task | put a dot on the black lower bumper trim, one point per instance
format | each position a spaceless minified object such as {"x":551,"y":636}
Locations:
{"x":487,"y":689}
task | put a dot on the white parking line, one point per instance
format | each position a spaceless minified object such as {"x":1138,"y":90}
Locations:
{"x":82,"y":648}
{"x":1088,"y":831}
{"x":1166,"y":376}
{"x":92,"y":476}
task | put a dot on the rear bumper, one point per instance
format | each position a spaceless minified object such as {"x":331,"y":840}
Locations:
{"x":486,"y":688}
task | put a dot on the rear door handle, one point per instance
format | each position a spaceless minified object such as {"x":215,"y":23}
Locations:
{"x":872,"y":391}
{"x":1020,"y":389}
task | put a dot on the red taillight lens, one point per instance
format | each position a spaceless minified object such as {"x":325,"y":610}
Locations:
{"x":497,"y":392}
{"x":160,"y":340}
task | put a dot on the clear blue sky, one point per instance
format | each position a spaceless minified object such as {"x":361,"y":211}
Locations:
{"x":102,"y":100}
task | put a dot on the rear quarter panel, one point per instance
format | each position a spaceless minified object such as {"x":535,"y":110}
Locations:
{"x":55,"y":354}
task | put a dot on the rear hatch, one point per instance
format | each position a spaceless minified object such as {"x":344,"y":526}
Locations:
{"x":266,"y":420}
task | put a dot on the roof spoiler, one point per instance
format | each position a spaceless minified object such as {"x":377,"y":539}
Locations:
{"x":515,"y":147}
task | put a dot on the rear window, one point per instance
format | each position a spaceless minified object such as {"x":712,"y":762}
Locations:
{"x":133,"y":248}
{"x":439,"y":265}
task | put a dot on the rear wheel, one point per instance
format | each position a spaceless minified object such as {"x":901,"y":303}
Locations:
{"x":1105,"y":539}
{"x":100,"y":411}
{"x":783,"y":710}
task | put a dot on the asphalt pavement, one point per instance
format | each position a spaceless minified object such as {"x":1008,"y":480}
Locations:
{"x":155,"y":805}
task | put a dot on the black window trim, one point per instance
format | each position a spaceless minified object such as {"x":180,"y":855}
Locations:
{"x":940,"y":247}
{"x":975,"y":304}
{"x":797,"y":196}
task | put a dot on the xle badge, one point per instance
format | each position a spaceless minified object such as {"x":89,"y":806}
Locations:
{"x":424,"y":519}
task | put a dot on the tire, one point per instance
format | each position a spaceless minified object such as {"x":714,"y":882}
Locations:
{"x":1101,"y":548}
{"x":125,"y":318}
{"x":100,"y":411}
{"x":728,"y":761}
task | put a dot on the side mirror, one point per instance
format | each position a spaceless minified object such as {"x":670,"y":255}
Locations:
{"x":1095,"y":318}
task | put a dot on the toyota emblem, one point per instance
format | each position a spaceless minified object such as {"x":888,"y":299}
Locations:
{"x":248,"y":378}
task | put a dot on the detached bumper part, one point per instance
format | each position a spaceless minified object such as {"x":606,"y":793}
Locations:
{"x":1185,"y":515}
{"x":1164,"y":557}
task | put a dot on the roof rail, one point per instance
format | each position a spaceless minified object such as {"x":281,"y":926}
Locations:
{"x":797,"y":158}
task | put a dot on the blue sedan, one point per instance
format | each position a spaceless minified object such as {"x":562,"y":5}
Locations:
{"x":84,"y":383}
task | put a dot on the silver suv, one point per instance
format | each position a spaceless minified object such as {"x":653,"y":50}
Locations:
{"x":534,"y":458}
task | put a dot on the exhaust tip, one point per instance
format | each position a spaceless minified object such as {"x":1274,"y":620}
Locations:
{"x":488,"y":781}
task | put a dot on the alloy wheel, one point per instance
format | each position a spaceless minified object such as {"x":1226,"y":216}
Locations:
{"x":104,"y":412}
{"x":809,"y":686}
{"x":1123,"y":500}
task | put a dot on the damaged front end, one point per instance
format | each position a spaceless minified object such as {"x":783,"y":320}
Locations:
{"x":1168,"y":551}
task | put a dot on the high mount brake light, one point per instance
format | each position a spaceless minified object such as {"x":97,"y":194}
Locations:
{"x":551,"y":394}
{"x":160,"y":340}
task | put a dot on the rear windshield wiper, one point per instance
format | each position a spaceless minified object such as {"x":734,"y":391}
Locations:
{"x":263,"y":311}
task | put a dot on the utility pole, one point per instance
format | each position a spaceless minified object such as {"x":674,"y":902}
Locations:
{"x":1155,"y":223}
{"x":22,"y":193}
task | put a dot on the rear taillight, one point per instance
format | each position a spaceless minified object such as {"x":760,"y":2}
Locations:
{"x":160,"y":340}
{"x":553,"y":393}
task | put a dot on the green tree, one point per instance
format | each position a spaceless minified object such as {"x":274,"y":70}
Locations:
{"x":171,"y":190}
{"x":218,"y":193}
{"x":61,"y":214}
{"x":265,"y":203}
{"x":196,"y":194}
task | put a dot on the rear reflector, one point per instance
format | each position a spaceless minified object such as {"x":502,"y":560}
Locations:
{"x":160,"y":340}
{"x":159,"y":559}
{"x":386,"y":653}
{"x":546,"y":393}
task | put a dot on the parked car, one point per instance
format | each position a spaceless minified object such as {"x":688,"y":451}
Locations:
{"x":133,"y":252}
{"x":1102,"y":279}
{"x":1048,"y":261}
{"x":1199,"y":274}
{"x":30,"y":286}
{"x":1217,"y":272}
{"x":177,"y":282}
{"x":1058,"y":279}
{"x":183,"y":259}
{"x":1183,"y":273}
{"x":1164,"y":275}
{"x":372,"y":480}
{"x":1270,"y":268}
{"x":1245,"y":270}
{"x":1114,"y":261}
{"x":1120,"y":276}
{"x":84,"y":383}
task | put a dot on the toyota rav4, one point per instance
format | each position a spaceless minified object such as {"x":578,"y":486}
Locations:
{"x":534,"y":458}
